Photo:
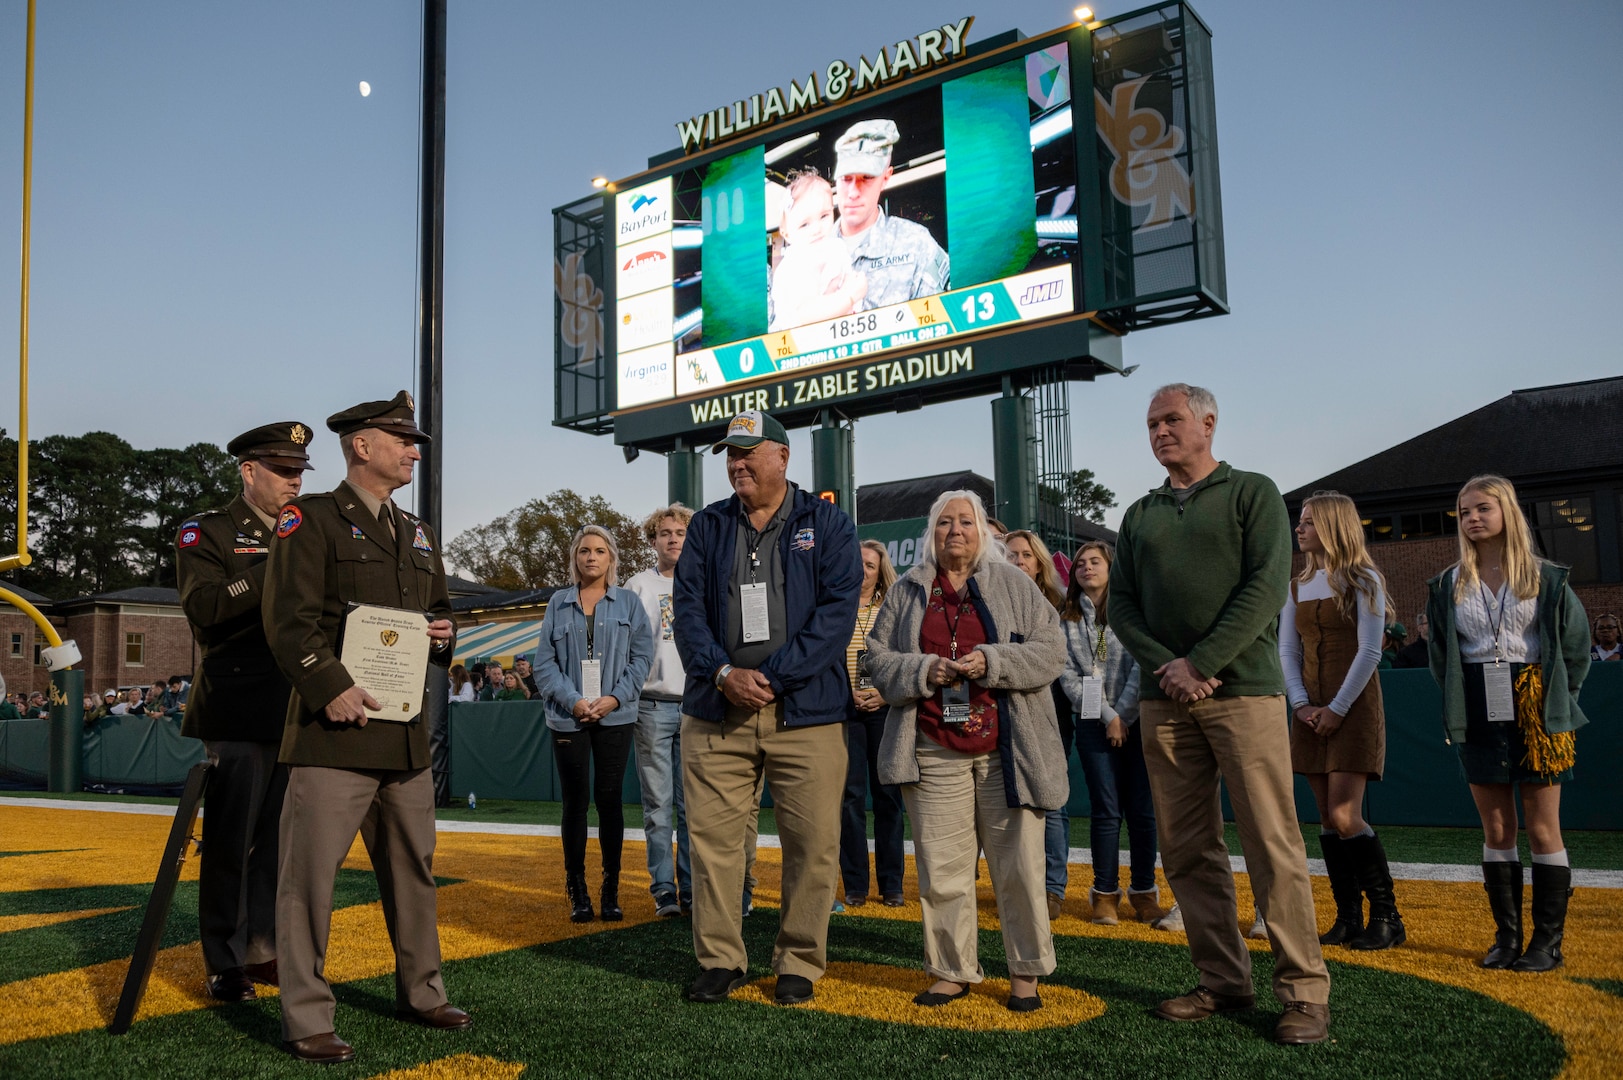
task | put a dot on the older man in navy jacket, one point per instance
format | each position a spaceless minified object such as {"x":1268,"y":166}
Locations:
{"x":765,"y":598}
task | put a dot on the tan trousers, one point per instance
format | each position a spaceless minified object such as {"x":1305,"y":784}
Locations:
{"x":323,"y":810}
{"x":1244,"y":742}
{"x":722,"y":768}
{"x":958,"y":808}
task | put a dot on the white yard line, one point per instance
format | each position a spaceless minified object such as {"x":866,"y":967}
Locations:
{"x":1457,"y":872}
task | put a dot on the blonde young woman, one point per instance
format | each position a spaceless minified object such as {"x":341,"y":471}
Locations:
{"x":1329,"y":647}
{"x":1027,"y":551}
{"x":864,"y":727}
{"x":1510,"y":648}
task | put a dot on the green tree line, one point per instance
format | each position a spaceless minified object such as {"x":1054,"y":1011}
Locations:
{"x":103,"y":515}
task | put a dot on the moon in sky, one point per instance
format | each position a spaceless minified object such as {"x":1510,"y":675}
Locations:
{"x":366,"y":88}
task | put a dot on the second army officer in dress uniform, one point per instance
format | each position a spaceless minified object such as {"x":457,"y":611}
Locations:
{"x":237,"y":705}
{"x":352,"y":545}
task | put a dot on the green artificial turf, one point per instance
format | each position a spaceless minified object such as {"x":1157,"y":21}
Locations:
{"x":609,"y":1005}
{"x":1590,"y":850}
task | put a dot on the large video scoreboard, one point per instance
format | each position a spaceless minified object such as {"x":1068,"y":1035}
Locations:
{"x":892,"y":231}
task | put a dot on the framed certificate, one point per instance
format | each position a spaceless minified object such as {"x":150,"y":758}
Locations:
{"x":385,"y":650}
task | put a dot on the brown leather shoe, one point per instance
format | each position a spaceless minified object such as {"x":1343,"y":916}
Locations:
{"x":324,"y":1049}
{"x":1054,"y":902}
{"x":445,"y":1018}
{"x":1303,"y":1022}
{"x":1106,"y":906}
{"x":1200,"y":1003}
{"x":262,"y":973}
{"x":231,"y":985}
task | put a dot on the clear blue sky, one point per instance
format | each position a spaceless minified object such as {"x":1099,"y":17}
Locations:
{"x":1420,"y":199}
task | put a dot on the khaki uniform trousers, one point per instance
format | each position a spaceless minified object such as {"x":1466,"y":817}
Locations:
{"x":958,"y":808}
{"x":722,"y":768}
{"x":1244,"y":742}
{"x":323,"y":810}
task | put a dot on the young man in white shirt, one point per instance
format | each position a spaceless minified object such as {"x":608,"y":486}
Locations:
{"x":659,"y":718}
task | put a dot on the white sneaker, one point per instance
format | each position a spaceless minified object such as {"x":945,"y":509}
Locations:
{"x":1172,"y":920}
{"x":1259,"y":930}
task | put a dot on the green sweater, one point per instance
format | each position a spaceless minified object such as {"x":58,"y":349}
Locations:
{"x":1205,"y":581}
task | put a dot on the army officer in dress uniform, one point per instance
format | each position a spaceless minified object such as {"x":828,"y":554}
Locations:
{"x":237,"y":706}
{"x":353,"y":544}
{"x":900,"y":258}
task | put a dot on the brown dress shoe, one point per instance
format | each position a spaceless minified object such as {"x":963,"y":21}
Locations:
{"x":1303,"y":1022}
{"x":445,"y":1017}
{"x":262,"y":973}
{"x":231,"y":985}
{"x":1200,"y":1003}
{"x":325,"y":1049}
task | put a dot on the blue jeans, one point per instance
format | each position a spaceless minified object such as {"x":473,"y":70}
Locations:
{"x":862,"y":733}
{"x":1119,"y":787}
{"x":1057,"y":829}
{"x":659,"y":771}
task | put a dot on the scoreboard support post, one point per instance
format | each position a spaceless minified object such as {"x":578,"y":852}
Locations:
{"x":834,"y":462}
{"x":1014,"y":458}
{"x":684,"y":470}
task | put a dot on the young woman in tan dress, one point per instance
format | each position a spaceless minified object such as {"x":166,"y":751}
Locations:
{"x":1329,"y":646}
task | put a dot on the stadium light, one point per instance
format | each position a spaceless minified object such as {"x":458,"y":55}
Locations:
{"x":1084,"y":14}
{"x":600,"y":182}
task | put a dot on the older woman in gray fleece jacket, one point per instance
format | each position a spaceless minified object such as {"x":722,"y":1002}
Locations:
{"x":964,"y":651}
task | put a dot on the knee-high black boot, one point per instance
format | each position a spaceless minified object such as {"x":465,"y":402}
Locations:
{"x":580,"y":900}
{"x":1503,"y":882}
{"x":1552,"y":885}
{"x":1344,"y":887}
{"x":1374,"y":877}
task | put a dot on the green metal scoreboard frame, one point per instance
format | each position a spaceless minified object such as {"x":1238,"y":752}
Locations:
{"x":664,"y":279}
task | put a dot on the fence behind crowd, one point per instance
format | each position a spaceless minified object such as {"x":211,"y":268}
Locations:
{"x":503,"y":750}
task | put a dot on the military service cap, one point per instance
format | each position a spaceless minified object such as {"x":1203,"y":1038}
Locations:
{"x":281,"y":443}
{"x":864,"y":149}
{"x":396,"y":416}
{"x":750,"y":429}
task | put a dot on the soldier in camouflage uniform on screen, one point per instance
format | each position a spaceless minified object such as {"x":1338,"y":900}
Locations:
{"x":900,"y":258}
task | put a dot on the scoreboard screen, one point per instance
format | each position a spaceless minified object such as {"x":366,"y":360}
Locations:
{"x":908,"y":221}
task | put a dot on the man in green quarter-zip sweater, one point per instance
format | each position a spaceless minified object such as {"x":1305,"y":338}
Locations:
{"x":1202,"y":569}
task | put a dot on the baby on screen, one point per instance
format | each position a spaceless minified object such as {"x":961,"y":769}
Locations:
{"x":814,"y":279}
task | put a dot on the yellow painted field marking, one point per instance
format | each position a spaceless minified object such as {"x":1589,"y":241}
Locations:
{"x":457,"y":1067}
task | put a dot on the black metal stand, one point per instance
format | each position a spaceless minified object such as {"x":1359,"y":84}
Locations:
{"x":182,"y":832}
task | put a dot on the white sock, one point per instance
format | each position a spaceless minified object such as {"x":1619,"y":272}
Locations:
{"x":1553,"y":858}
{"x":1508,"y":854}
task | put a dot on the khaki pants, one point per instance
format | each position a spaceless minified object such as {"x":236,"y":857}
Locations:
{"x":958,"y":808}
{"x":323,"y":810}
{"x":722,"y":768}
{"x":1244,"y":742}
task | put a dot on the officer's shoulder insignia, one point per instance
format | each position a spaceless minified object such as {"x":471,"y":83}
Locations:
{"x":420,"y":541}
{"x":292,"y":517}
{"x":190,"y":534}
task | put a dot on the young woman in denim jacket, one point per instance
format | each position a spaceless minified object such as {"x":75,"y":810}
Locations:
{"x":596,"y":623}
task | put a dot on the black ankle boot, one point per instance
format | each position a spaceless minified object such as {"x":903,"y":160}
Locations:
{"x":580,"y":900}
{"x":1344,"y":887}
{"x":1503,"y":883}
{"x":1374,"y":877}
{"x":1552,"y":885}
{"x":611,"y":897}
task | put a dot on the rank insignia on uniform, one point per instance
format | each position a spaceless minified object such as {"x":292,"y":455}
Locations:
{"x":289,"y":522}
{"x":805,"y":540}
{"x":355,"y":531}
{"x":189,"y":536}
{"x":420,"y":541}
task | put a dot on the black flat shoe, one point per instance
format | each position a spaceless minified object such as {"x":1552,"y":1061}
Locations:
{"x":1025,"y":1004}
{"x":931,"y":1000}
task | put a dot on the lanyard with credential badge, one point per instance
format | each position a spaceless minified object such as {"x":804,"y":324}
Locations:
{"x":1496,"y":681}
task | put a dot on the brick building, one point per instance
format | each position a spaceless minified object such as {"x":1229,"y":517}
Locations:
{"x":1562,"y":446}
{"x":131,"y":637}
{"x":21,"y":641}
